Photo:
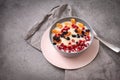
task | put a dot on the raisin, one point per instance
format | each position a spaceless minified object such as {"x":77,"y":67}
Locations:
{"x":68,"y":38}
{"x":78,"y":36}
{"x":54,"y":43}
{"x":58,"y":39}
{"x":54,"y":37}
{"x":65,"y":33}
{"x":87,"y":30}
{"x":76,"y":30}
{"x":82,"y":35}
{"x":73,"y":35}
{"x":62,"y":35}
{"x":83,"y":32}
{"x":76,"y":42}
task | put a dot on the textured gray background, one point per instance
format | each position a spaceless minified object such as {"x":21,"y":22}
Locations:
{"x":19,"y":61}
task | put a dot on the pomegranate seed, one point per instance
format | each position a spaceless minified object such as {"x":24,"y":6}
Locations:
{"x":83,"y":28}
{"x":80,"y":41}
{"x":74,"y":47}
{"x":69,"y":43}
{"x":64,"y":50}
{"x":69,"y":47}
{"x":73,"y":25}
{"x":63,"y":30}
{"x":85,"y":45}
{"x":76,"y":27}
{"x":72,"y":50}
{"x":79,"y":47}
{"x":64,"y":47}
{"x":69,"y":51}
{"x":66,"y":28}
{"x":59,"y":47}
{"x":87,"y":38}
{"x":82,"y":47}
{"x":73,"y":40}
{"x":62,"y":44}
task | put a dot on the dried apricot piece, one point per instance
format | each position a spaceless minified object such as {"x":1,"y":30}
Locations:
{"x":79,"y":31}
{"x":59,"y":25}
{"x":55,"y":31}
{"x":67,"y":24}
{"x":73,"y":21}
{"x":81,"y":25}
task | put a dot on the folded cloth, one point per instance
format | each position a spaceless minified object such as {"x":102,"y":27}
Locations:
{"x":34,"y":35}
{"x":102,"y":68}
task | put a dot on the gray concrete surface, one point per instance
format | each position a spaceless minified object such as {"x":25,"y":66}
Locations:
{"x":19,"y":61}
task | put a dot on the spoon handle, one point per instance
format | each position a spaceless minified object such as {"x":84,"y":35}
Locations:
{"x":111,"y":46}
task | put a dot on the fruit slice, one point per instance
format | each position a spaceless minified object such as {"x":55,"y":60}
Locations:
{"x":81,"y":25}
{"x":79,"y":31}
{"x":67,"y":24}
{"x":55,"y":31}
{"x":59,"y":25}
{"x":73,"y":21}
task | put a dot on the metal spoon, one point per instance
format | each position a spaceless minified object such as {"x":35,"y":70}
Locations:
{"x":111,"y":46}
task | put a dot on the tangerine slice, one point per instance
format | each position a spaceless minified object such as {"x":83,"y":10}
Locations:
{"x":81,"y":25}
{"x":59,"y":25}
{"x":79,"y":31}
{"x":55,"y":31}
{"x":73,"y":21}
{"x":67,"y":24}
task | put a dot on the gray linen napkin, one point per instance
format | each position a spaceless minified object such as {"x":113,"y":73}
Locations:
{"x":34,"y":35}
{"x":104,"y":67}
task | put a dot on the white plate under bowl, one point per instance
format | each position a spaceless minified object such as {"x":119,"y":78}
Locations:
{"x":58,"y":60}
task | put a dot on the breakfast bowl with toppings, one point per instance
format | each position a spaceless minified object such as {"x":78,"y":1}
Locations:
{"x":71,"y":36}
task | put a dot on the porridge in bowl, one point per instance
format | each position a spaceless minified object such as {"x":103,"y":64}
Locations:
{"x":71,"y":36}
